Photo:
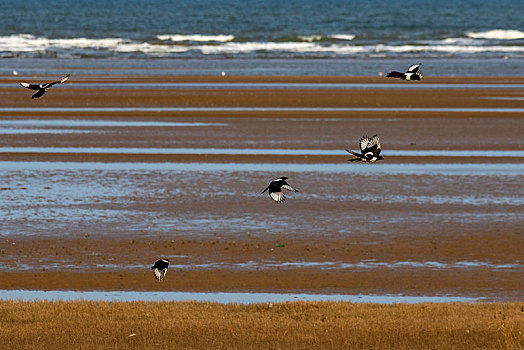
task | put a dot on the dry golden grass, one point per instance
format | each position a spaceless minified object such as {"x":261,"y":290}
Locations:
{"x":297,"y":325}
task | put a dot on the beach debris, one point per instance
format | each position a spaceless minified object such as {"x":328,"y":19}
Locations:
{"x":15,"y":72}
{"x":223,"y":74}
{"x":370,"y":150}
{"x":413,"y":73}
{"x":131,"y":335}
{"x":160,"y":269}
{"x":280,"y":245}
{"x":275,"y":189}
{"x":42,"y":88}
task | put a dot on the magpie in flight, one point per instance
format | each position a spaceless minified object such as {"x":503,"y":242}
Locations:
{"x":413,"y":73}
{"x":160,"y":269}
{"x":275,"y":189}
{"x":42,"y":88}
{"x":370,"y":150}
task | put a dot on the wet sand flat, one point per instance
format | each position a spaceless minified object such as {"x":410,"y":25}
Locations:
{"x":436,"y":225}
{"x":483,"y":267}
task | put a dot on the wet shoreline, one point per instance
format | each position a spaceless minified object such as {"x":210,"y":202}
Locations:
{"x":97,"y":185}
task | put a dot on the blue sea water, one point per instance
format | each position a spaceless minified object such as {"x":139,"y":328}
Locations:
{"x":261,"y":29}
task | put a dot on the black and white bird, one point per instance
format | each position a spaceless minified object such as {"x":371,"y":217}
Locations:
{"x":42,"y":88}
{"x":275,"y":189}
{"x":413,"y":73}
{"x":370,"y":150}
{"x":160,"y":269}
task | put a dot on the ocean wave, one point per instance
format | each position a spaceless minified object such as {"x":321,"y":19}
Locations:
{"x":238,"y":48}
{"x":456,"y":41}
{"x":28,"y":42}
{"x":310,"y":38}
{"x":29,"y":45}
{"x":195,"y":37}
{"x":497,"y":34}
{"x":348,"y":37}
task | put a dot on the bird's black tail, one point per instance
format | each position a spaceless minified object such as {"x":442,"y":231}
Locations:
{"x":354,"y":153}
{"x":39,"y":93}
{"x":267,"y":188}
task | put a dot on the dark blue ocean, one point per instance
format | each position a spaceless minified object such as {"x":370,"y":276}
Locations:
{"x":461,"y":32}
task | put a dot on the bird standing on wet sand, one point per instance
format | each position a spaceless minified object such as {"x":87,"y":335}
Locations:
{"x":160,"y":269}
{"x":413,"y":73}
{"x":42,"y":88}
{"x":275,"y":189}
{"x":370,"y":150}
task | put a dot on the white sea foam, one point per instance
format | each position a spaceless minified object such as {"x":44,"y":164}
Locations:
{"x":310,"y":38}
{"x":306,"y":47}
{"x":28,"y":42}
{"x":196,"y":37}
{"x":343,"y":36}
{"x":497,"y":34}
{"x":246,"y":47}
{"x":457,"y":41}
{"x":149,"y":48}
{"x":70,"y":46}
{"x":447,"y":48}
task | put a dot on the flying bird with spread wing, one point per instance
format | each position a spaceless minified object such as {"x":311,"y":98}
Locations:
{"x":42,"y":88}
{"x":413,"y":73}
{"x":370,"y":150}
{"x":275,"y":189}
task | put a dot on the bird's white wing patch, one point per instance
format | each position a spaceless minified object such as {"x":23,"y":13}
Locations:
{"x":31,"y":86}
{"x":365,"y":142}
{"x":413,"y":68}
{"x":287,"y":187}
{"x":277,"y":196}
{"x":376,"y":141}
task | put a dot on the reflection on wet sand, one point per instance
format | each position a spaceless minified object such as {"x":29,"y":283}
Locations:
{"x":254,"y":151}
{"x":97,"y":183}
{"x":225,"y":298}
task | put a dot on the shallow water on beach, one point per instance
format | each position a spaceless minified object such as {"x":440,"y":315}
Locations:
{"x":291,"y":86}
{"x":369,"y":264}
{"x":458,"y":169}
{"x":225,"y":298}
{"x":240,"y":151}
{"x":50,"y":198}
{"x":76,"y":184}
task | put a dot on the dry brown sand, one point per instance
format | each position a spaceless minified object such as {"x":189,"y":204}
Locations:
{"x":497,"y":244}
